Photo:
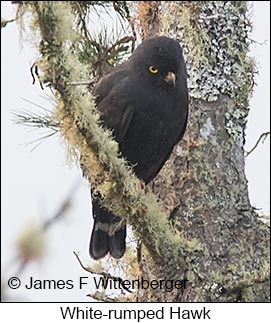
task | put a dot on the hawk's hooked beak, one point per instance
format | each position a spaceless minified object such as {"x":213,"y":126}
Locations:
{"x":170,"y":78}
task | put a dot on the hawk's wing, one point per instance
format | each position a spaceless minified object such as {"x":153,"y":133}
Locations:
{"x":114,"y":103}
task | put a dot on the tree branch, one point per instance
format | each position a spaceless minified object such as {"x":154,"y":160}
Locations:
{"x":109,"y":175}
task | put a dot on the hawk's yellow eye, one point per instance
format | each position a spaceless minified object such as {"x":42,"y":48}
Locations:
{"x":153,"y":70}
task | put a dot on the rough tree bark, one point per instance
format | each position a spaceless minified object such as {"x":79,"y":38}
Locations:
{"x":203,"y":185}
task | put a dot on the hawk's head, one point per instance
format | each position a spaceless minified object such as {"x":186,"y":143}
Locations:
{"x":160,"y":59}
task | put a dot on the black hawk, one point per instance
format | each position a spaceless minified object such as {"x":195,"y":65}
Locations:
{"x":144,"y":101}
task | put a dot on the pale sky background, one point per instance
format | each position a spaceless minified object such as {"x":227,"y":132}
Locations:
{"x":35,"y":183}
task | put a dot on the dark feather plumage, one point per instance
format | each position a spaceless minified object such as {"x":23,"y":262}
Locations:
{"x":146,"y":107}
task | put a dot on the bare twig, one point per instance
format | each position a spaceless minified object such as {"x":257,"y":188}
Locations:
{"x":77,"y":83}
{"x":63,"y":208}
{"x":34,"y":71}
{"x":102,"y":297}
{"x":5,"y":22}
{"x":262,"y":137}
{"x":105,"y":275}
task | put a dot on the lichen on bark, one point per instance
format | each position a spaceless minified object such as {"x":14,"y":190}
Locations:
{"x":204,"y":180}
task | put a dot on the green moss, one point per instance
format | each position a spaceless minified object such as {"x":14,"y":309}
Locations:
{"x":111,"y":178}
